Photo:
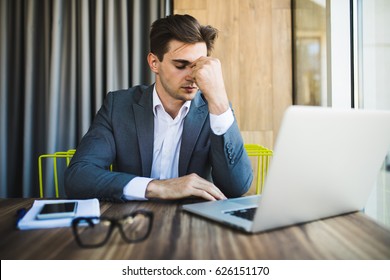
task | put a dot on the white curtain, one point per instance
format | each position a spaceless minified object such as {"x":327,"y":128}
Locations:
{"x":58,"y":59}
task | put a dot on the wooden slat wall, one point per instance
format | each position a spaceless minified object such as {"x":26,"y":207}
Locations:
{"x":254,"y":46}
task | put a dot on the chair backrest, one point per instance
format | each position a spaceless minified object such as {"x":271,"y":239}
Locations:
{"x":56,"y":168}
{"x":67,"y":155}
{"x":263,"y":160}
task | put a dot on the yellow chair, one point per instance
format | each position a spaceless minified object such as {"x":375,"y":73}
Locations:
{"x":67,"y":155}
{"x":263,"y":160}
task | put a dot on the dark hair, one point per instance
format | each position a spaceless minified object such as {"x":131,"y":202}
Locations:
{"x":183,"y":28}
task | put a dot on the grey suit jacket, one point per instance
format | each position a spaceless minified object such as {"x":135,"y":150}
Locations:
{"x":122,"y":133}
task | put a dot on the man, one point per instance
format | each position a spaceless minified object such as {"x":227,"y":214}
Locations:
{"x":177,"y":138}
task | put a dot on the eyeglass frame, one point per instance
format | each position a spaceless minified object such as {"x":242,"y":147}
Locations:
{"x":114,"y":222}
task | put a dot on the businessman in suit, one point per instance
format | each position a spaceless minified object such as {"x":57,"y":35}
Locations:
{"x":174,"y":139}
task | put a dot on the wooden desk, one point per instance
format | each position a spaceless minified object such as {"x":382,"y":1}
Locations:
{"x":180,"y":235}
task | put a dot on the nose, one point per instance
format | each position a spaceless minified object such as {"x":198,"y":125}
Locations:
{"x":190,"y":79}
{"x":188,"y":76}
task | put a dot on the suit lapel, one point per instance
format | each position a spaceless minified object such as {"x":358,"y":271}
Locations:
{"x":143,"y":113}
{"x":193,"y":124}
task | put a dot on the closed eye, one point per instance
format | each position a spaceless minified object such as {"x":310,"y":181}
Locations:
{"x":181,"y":63}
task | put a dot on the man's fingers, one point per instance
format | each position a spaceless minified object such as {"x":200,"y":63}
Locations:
{"x":208,"y":187}
{"x":213,"y":191}
{"x":203,"y":194}
{"x":189,"y":185}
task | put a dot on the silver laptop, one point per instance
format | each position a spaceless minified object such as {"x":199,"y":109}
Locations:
{"x":325,"y":163}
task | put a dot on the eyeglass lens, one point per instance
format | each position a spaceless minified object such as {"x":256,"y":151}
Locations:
{"x":93,"y":232}
{"x":135,"y":227}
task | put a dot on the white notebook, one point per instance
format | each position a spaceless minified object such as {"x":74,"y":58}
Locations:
{"x":85,"y":208}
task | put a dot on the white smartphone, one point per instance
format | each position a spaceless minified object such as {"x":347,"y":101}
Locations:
{"x":57,"y":210}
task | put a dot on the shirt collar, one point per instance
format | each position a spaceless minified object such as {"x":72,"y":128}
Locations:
{"x":157,"y":103}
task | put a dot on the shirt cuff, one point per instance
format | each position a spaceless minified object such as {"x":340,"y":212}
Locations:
{"x":221,"y":123}
{"x":136,"y":188}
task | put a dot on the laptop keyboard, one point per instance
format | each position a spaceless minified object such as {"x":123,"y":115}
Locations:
{"x":248,"y":213}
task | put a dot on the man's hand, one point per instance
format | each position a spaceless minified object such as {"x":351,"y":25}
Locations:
{"x":186,"y":186}
{"x":207,"y":74}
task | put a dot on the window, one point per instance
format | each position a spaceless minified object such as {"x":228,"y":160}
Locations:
{"x":309,"y":52}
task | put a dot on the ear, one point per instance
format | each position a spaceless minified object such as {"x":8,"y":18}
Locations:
{"x":153,"y":62}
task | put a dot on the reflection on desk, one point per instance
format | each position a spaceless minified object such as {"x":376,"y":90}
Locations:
{"x":179,"y":235}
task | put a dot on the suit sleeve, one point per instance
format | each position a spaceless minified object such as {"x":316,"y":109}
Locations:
{"x":88,"y":174}
{"x":231,"y":167}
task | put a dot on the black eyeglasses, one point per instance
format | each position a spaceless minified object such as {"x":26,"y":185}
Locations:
{"x":92,"y":232}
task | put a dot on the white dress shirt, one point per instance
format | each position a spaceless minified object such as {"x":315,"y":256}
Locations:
{"x":167,"y":143}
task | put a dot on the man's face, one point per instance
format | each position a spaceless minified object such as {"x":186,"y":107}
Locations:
{"x":173,"y":80}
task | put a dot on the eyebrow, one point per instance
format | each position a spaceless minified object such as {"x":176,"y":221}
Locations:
{"x":182,"y":61}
